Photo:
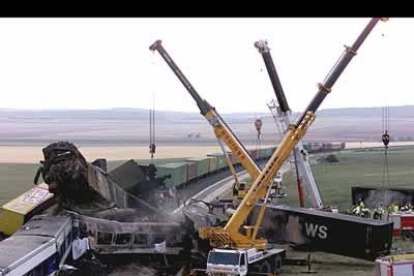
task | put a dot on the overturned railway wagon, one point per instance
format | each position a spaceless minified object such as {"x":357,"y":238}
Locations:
{"x":40,"y":247}
{"x":323,"y":231}
{"x":18,"y":211}
{"x":146,"y":237}
{"x":373,"y":196}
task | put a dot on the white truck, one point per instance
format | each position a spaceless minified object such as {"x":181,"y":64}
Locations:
{"x":240,"y":262}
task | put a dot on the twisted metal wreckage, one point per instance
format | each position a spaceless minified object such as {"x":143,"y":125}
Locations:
{"x":114,"y":220}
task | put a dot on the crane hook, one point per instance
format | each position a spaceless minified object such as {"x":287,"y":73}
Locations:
{"x":385,"y":139}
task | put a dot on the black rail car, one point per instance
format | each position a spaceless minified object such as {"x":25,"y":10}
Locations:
{"x":373,"y":196}
{"x":323,"y":231}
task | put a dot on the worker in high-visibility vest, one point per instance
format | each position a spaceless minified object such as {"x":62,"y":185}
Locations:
{"x":407,"y":207}
{"x":379,"y":212}
{"x":394,"y":208}
{"x":358,"y":210}
{"x":361,"y":203}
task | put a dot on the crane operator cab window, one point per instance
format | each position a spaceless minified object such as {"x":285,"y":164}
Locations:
{"x":223,"y":258}
{"x":231,"y":262}
{"x":278,"y":177}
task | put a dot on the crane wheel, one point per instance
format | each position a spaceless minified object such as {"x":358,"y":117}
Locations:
{"x":278,"y":265}
{"x":407,"y":235}
{"x":265,"y":268}
{"x":256,"y":268}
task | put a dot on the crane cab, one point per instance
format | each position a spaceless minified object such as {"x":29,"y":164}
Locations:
{"x":240,"y":190}
{"x":276,"y":189}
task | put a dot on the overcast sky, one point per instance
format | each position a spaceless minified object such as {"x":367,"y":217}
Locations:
{"x":93,"y":63}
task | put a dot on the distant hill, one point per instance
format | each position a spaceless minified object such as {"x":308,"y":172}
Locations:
{"x":405,"y":111}
{"x":131,"y":125}
{"x":115,"y":113}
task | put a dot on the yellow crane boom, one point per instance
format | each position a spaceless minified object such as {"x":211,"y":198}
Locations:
{"x":221,"y":130}
{"x":229,"y":236}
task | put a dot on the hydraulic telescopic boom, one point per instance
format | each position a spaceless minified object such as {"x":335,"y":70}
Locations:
{"x":221,"y":129}
{"x":229,"y":236}
{"x":306,"y":178}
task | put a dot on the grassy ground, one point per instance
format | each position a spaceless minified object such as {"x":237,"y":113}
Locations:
{"x":16,"y":178}
{"x":361,"y":167}
{"x":356,"y":167}
{"x":33,"y":153}
{"x":334,"y":180}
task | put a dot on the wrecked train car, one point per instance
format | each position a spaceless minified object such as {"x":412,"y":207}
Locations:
{"x":115,"y":221}
{"x":40,"y":247}
{"x":18,"y":211}
{"x":323,"y":231}
{"x":374,"y":196}
{"x":146,"y":237}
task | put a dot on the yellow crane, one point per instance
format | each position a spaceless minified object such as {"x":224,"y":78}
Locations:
{"x":239,"y":253}
{"x":222,"y":131}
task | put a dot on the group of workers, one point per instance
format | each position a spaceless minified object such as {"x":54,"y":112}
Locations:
{"x":380,"y":212}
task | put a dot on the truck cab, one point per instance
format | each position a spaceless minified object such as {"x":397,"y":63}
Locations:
{"x":227,"y":261}
{"x":240,"y":262}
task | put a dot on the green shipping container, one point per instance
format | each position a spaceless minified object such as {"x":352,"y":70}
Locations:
{"x":233,"y":158}
{"x":203,"y":165}
{"x":213,"y":164}
{"x":158,"y":161}
{"x":191,"y":170}
{"x":177,"y":170}
{"x":221,"y":160}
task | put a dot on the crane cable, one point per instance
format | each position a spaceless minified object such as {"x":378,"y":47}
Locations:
{"x":258,"y":123}
{"x":152,"y":146}
{"x":385,"y":140}
{"x":385,"y":137}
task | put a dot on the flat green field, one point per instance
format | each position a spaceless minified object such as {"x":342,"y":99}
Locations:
{"x":361,"y":167}
{"x":17,"y":178}
{"x":334,"y":180}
